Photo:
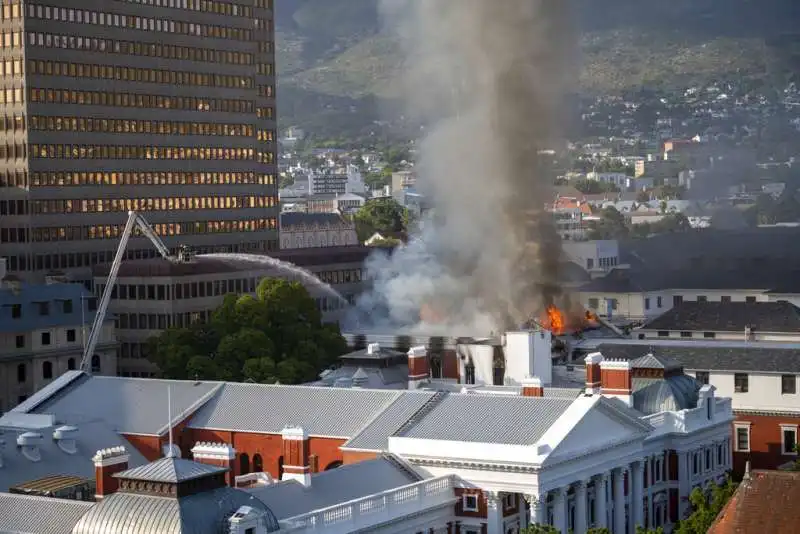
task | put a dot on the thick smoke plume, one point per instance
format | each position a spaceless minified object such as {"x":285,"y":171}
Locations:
{"x":487,"y":78}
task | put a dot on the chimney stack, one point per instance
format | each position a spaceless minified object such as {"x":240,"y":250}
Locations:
{"x":616,"y":380}
{"x":529,"y":353}
{"x":418,"y":367}
{"x":296,"y":460}
{"x":108,"y":462}
{"x":532,"y":387}
{"x":218,"y":454}
{"x":593,"y":374}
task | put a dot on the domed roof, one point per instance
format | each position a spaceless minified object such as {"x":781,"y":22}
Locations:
{"x":674,"y":393}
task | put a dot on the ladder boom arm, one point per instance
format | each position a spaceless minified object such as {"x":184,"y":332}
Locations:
{"x":134,"y":220}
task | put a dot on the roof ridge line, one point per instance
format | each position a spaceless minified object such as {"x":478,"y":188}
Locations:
{"x":374,"y":418}
{"x":423,"y":410}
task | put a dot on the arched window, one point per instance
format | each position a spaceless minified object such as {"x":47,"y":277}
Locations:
{"x":71,"y":364}
{"x":333,"y":465}
{"x":22,"y":373}
{"x":258,"y":464}
{"x":47,"y":370}
{"x":244,"y":464}
{"x":95,"y":363}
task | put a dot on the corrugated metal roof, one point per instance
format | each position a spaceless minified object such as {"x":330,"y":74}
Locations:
{"x":170,"y":470}
{"x":353,"y":481}
{"x":132,"y":405}
{"x":375,"y":436}
{"x":332,"y":412}
{"x":28,"y":514}
{"x":489,"y":419}
{"x":51,"y":483}
{"x":201,"y":513}
{"x":653,"y":361}
{"x":48,"y":391}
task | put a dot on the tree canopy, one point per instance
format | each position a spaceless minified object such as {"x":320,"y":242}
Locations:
{"x":278,"y":335}
{"x":706,"y":506}
{"x":595,"y":187}
{"x":384,"y":215}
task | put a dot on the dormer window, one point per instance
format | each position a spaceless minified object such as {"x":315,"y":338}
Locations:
{"x":44,"y":308}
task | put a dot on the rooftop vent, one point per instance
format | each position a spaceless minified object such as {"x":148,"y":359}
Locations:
{"x":65,"y":437}
{"x":373,"y":348}
{"x":29,"y":443}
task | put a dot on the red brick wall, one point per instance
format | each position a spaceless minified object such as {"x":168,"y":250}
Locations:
{"x":352,"y":457}
{"x":418,"y":368}
{"x":148,"y":446}
{"x":765,"y":442}
{"x":481,"y":513}
{"x":529,"y":391}
{"x":616,"y":380}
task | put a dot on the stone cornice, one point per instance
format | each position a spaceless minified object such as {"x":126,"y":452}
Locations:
{"x":477,"y":466}
{"x":767,"y":413}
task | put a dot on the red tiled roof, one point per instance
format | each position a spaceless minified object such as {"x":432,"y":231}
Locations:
{"x":766,"y":503}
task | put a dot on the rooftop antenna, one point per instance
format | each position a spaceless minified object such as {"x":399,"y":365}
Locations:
{"x":170,"y":451}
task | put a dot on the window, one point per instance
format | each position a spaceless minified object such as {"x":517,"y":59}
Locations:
{"x":677,"y":300}
{"x":469,"y":371}
{"x":509,"y":501}
{"x":244,"y":464}
{"x":71,"y":364}
{"x":709,"y":335}
{"x":749,"y":299}
{"x":663,"y":333}
{"x":647,"y":304}
{"x":22,"y":373}
{"x":47,"y":370}
{"x":788,"y":384}
{"x":251,"y":530}
{"x":658,"y":302}
{"x":696,"y":463}
{"x":743,"y":438}
{"x":258,"y":464}
{"x":740,"y":383}
{"x":789,"y":439}
{"x":44,"y":308}
{"x":708,"y":460}
{"x":702,"y":298}
{"x":20,"y":342}
{"x":71,"y":335}
{"x":702,"y":377}
{"x":470,"y":503}
{"x":67,"y":306}
{"x":16,"y":311}
{"x":725,"y":298}
{"x":95,"y":363}
{"x":45,"y":338}
{"x":686,"y":334}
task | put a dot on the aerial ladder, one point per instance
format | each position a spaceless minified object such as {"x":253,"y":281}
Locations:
{"x":134,"y":220}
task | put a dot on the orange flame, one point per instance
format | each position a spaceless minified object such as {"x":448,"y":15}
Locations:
{"x":554,"y":321}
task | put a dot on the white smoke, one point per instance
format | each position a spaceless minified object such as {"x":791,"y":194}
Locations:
{"x":488,"y":78}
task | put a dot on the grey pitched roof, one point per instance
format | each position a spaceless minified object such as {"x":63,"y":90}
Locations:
{"x":309,"y":219}
{"x":269,"y":409}
{"x":91,"y":437}
{"x":329,"y":488}
{"x":394,"y":377}
{"x":131,"y":405}
{"x":713,"y":357}
{"x":27,"y":514}
{"x":489,"y":419}
{"x":171,"y":470}
{"x":49,"y":390}
{"x":652,"y":361}
{"x":729,"y":317}
{"x":375,"y":436}
{"x":201,"y":513}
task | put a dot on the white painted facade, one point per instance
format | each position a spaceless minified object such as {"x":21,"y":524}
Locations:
{"x":764,"y":391}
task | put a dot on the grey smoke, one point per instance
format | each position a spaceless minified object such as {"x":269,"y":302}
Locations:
{"x":488,"y":79}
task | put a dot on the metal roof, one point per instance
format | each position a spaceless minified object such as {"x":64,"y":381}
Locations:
{"x":51,"y":483}
{"x":346,"y":483}
{"x":489,"y":419}
{"x":172,"y":470}
{"x":48,"y":391}
{"x":31,"y":318}
{"x":651,"y":361}
{"x":131,"y":405}
{"x":395,"y":377}
{"x":201,"y":513}
{"x":654,"y":395}
{"x":330,"y":412}
{"x":729,"y":317}
{"x":28,"y":514}
{"x":375,"y":436}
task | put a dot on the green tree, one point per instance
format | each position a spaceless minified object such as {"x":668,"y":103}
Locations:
{"x":594,"y":187}
{"x":384,"y":215}
{"x":706,"y":506}
{"x":539,"y":529}
{"x":612,"y":225}
{"x":276,"y":335}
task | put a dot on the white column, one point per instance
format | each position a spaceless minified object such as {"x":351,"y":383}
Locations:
{"x":538,"y":503}
{"x":494,"y":518}
{"x":581,"y":513}
{"x":650,"y":478}
{"x":684,"y":484}
{"x":560,"y":510}
{"x":637,"y":493}
{"x":619,"y":501}
{"x":600,"y":501}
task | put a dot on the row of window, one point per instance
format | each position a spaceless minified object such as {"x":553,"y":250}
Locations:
{"x":137,"y":100}
{"x":83,"y":124}
{"x":147,"y":204}
{"x":11,"y":10}
{"x":788,"y":438}
{"x":134,"y":22}
{"x":137,"y":48}
{"x":113,"y":231}
{"x":42,"y":262}
{"x":43,"y":308}
{"x":741,"y":382}
{"x":47,"y":368}
{"x":206,"y":6}
{"x":133,"y":74}
{"x":136,"y":152}
{"x":703,"y":461}
{"x":146,"y":178}
{"x":12,"y":67}
{"x":11,"y":40}
{"x":12,"y":95}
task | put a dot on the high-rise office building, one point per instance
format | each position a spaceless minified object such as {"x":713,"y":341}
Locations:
{"x":166,"y":107}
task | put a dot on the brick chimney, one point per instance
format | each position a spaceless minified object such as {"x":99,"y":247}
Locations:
{"x":615,"y":378}
{"x":532,"y":387}
{"x":418,"y":367}
{"x":219,"y":454}
{"x":108,"y":462}
{"x":296,"y":461}
{"x":593,"y":373}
